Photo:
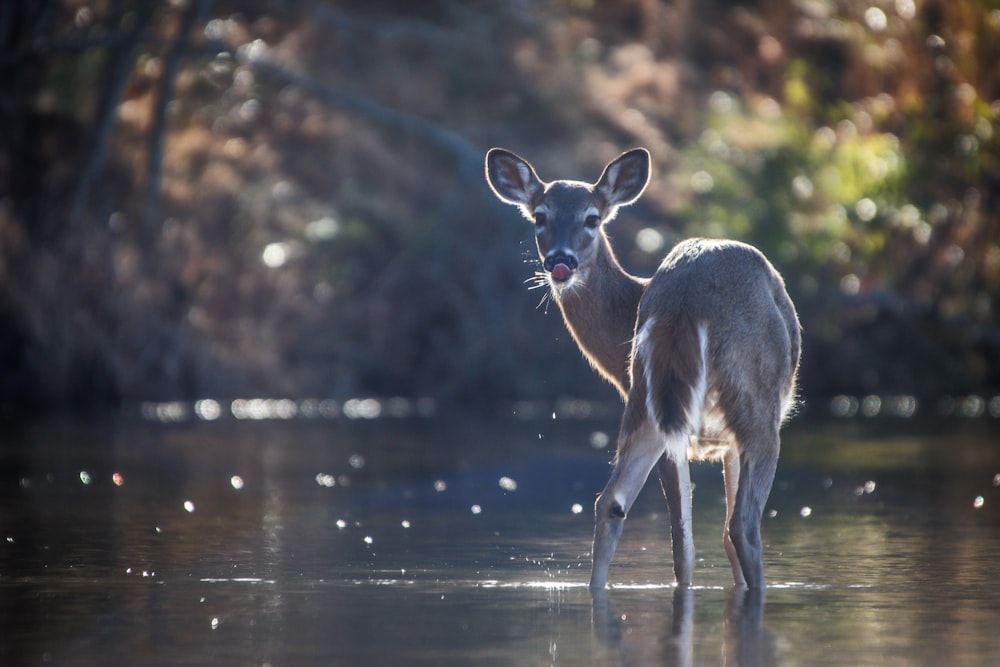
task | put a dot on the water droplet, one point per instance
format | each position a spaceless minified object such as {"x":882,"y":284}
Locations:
{"x":188,"y":506}
{"x":236,"y":481}
{"x":869,"y":486}
{"x":118,"y":479}
{"x":996,"y":479}
{"x":805,"y":511}
{"x":324,"y":479}
{"x":772,"y":513}
{"x":368,"y":539}
{"x":405,"y":523}
{"x":440,"y":485}
{"x":577,"y":508}
{"x":341,"y":524}
{"x":978,"y":502}
{"x":476,"y":509}
{"x":357,"y":461}
{"x":215,"y":623}
{"x":85,"y":477}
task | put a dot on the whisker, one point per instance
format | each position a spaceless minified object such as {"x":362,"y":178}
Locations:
{"x":537,"y":281}
{"x":545,"y":301}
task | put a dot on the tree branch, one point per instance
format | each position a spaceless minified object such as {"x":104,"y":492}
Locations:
{"x":157,"y":136}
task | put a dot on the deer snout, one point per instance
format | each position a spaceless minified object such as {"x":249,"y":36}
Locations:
{"x":560,"y":265}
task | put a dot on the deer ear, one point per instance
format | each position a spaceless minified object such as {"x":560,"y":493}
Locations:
{"x":624,"y":178}
{"x":512,"y":179}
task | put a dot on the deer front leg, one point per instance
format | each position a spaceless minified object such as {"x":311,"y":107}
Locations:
{"x":675,"y":480}
{"x":637,"y":454}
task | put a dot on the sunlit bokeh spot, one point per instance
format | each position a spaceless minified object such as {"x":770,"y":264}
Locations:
{"x":188,"y":506}
{"x":207,"y":409}
{"x":649,"y":240}
{"x":850,"y":284}
{"x":875,"y":19}
{"x":702,"y":182}
{"x":866,"y":209}
{"x":871,"y":405}
{"x":275,"y":255}
{"x":508,"y":484}
{"x":323,"y":229}
{"x":599,"y":439}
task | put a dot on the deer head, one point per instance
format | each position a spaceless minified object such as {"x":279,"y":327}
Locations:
{"x":568,"y":215}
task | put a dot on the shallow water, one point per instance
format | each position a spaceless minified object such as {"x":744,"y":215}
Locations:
{"x":434,"y":541}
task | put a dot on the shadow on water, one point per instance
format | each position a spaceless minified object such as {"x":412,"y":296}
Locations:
{"x":435,"y":541}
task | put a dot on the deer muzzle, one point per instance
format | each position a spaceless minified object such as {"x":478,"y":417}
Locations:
{"x":560,"y":265}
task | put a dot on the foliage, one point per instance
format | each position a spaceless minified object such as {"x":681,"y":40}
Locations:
{"x":286,"y":198}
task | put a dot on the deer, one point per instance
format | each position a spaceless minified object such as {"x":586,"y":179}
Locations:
{"x":705,"y":354}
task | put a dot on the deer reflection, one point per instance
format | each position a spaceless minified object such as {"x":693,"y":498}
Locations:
{"x":744,"y":642}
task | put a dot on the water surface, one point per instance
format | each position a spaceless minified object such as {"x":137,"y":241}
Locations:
{"x":459,"y":542}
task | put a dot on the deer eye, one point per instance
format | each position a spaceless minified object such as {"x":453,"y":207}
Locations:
{"x":592,"y":221}
{"x":540,"y":219}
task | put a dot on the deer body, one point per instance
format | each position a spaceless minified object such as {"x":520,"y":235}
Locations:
{"x":704,"y":353}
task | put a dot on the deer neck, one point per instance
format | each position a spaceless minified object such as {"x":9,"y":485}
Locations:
{"x":600,"y":312}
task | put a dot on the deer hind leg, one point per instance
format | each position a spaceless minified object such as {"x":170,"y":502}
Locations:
{"x":758,"y":460}
{"x":638,"y":450}
{"x":731,"y":479}
{"x":675,"y":480}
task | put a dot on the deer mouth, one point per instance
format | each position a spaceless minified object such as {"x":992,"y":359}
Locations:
{"x":560,"y":266}
{"x":561,"y":272}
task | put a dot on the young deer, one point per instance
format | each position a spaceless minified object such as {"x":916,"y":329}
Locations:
{"x":705,"y":354}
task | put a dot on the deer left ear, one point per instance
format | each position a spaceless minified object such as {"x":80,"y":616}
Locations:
{"x":624,"y":178}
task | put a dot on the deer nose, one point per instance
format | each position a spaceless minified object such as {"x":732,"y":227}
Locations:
{"x":561,"y":265}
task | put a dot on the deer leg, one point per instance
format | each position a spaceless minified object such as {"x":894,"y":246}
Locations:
{"x":758,"y":462}
{"x":731,"y":479}
{"x":675,"y":480}
{"x":637,"y":454}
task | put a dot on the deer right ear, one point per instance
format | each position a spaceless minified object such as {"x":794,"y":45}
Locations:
{"x":512,"y":179}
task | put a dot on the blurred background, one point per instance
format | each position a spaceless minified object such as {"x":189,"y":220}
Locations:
{"x":268,"y":198}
